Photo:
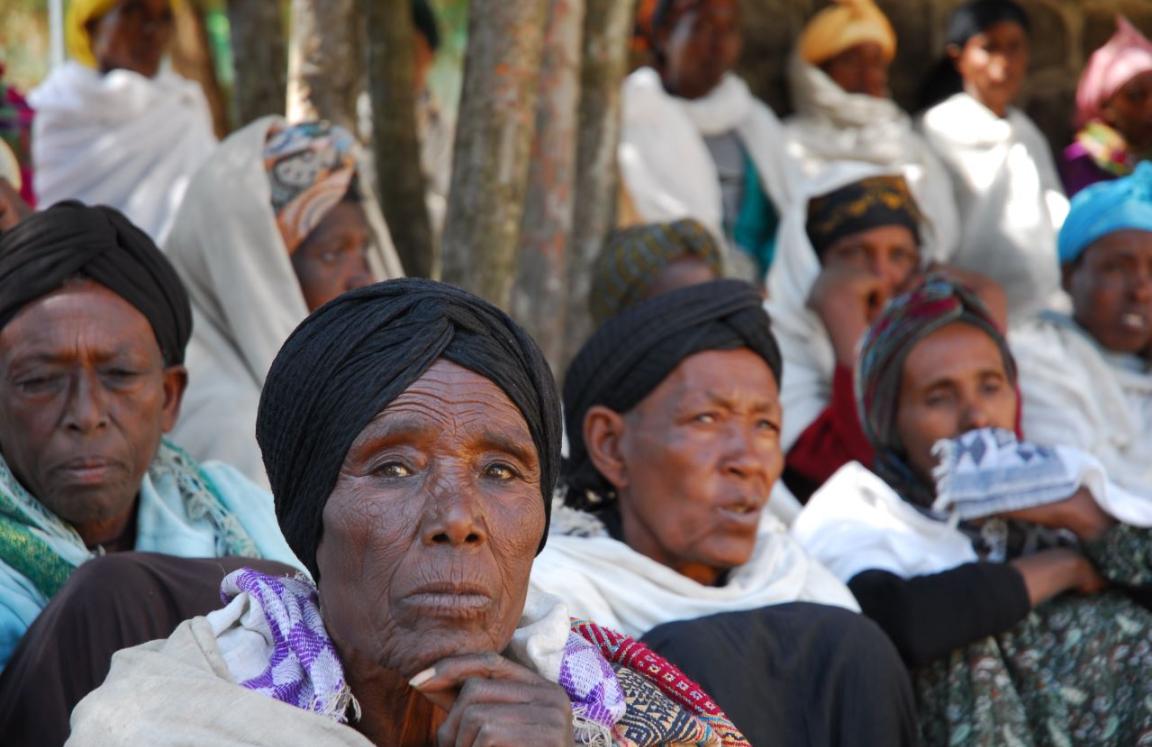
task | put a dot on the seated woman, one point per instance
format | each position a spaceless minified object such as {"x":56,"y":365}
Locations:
{"x":673,"y":422}
{"x":695,"y":143}
{"x":412,"y":436}
{"x":856,"y":245}
{"x":113,"y":125}
{"x":276,"y":224}
{"x":1008,"y":193}
{"x":1086,"y":378}
{"x":1113,"y":111}
{"x":838,"y":79}
{"x":1021,"y":627}
{"x":100,"y":514}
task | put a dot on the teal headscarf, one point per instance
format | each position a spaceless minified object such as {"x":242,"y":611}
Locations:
{"x":1107,"y":207}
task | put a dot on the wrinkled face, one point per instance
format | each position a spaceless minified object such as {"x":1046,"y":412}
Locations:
{"x":699,"y":457}
{"x":860,"y":69}
{"x":333,"y":258}
{"x":953,"y":381}
{"x":430,"y":532}
{"x":1111,"y":289}
{"x":699,"y":46}
{"x":133,"y":36}
{"x":1130,"y":111}
{"x":84,"y":399}
{"x":993,"y":65}
{"x":679,"y":273}
{"x":888,"y":252}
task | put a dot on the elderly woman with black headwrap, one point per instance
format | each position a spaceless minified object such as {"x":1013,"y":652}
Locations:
{"x":1009,"y":575}
{"x":673,"y":423}
{"x":412,"y":437}
{"x":93,"y":324}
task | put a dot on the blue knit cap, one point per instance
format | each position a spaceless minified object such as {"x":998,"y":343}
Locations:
{"x":1107,"y":207}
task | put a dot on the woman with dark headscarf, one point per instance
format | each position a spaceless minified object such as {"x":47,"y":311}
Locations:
{"x":275,"y":224}
{"x":673,"y":428}
{"x":411,"y":433}
{"x":1009,"y":575}
{"x":1008,"y":193}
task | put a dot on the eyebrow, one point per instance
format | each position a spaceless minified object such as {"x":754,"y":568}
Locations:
{"x":399,"y":427}
{"x":719,"y":399}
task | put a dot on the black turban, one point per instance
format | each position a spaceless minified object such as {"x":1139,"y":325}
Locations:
{"x":347,"y":361}
{"x":633,"y":352}
{"x":974,"y":18}
{"x":70,"y":240}
{"x":860,"y":206}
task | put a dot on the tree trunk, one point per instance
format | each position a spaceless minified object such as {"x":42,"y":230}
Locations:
{"x":607,"y":28}
{"x":540,"y":300}
{"x":493,"y":142}
{"x":260,"y":59}
{"x":325,"y":61}
{"x":192,"y":58}
{"x":395,"y":139}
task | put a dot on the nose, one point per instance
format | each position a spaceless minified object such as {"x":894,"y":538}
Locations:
{"x":453,"y":517}
{"x":86,"y":410}
{"x":742,"y":457}
{"x":1142,"y":285}
{"x":361,"y":276}
{"x":974,"y":416}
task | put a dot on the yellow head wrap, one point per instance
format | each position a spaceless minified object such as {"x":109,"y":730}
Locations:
{"x":80,"y":13}
{"x":842,"y":26}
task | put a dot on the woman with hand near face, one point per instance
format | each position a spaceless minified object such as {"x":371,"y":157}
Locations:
{"x":673,"y":419}
{"x":1022,"y":626}
{"x":412,"y":437}
{"x":1008,"y":193}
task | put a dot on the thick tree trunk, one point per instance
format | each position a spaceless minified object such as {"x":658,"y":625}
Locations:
{"x":394,"y":134}
{"x":192,"y":58}
{"x":493,"y":143}
{"x":260,"y":59}
{"x":607,"y":28}
{"x":325,"y":61}
{"x":540,"y":300}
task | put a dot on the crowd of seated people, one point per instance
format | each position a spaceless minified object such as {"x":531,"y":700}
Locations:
{"x":859,"y":452}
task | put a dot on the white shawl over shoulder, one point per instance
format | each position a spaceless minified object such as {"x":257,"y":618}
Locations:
{"x":119,"y":139}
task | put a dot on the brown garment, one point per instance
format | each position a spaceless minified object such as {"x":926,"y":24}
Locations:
{"x":109,"y":603}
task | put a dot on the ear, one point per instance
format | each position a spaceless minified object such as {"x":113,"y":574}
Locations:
{"x":604,"y":431}
{"x":1067,"y":272}
{"x":954,"y":51}
{"x":175,"y":382}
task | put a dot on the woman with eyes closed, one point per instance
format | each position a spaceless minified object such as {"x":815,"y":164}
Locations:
{"x":1020,"y":616}
{"x":276,"y":224}
{"x":411,"y":433}
{"x":673,"y":424}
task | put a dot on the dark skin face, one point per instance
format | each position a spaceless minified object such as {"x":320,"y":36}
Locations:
{"x":697,"y":46}
{"x":332,"y":259}
{"x":693,"y":463}
{"x":680,"y":273}
{"x":953,"y":381}
{"x":862,"y":68}
{"x":1111,"y":290}
{"x":993,"y":65}
{"x":135,"y":35}
{"x":1129,"y":110}
{"x":84,"y":399}
{"x":428,"y":541}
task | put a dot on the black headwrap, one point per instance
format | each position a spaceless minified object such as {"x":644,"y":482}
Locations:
{"x":347,"y":361}
{"x":70,"y":240}
{"x":860,"y":206}
{"x":632,"y":353}
{"x":967,"y":21}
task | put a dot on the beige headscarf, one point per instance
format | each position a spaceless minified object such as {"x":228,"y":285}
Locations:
{"x":842,"y":26}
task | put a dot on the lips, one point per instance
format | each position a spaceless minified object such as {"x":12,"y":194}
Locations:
{"x":88,"y":470}
{"x":742,"y":513}
{"x":1133,"y":321}
{"x":450,"y":600}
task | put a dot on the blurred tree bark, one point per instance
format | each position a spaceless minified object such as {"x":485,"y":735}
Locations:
{"x":192,"y":58}
{"x":325,"y":61}
{"x":493,"y":143}
{"x":607,"y":30}
{"x":394,"y":133}
{"x":260,"y":59}
{"x":540,"y":300}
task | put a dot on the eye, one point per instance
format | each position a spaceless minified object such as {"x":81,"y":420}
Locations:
{"x":764,"y":424}
{"x":392,"y":470}
{"x":501,"y":471}
{"x":706,"y":418}
{"x":34,"y":384}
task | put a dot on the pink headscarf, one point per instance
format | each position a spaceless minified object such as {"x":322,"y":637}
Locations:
{"x":1127,"y":54}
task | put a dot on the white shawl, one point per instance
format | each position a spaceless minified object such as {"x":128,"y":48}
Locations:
{"x":832,"y":126}
{"x":1008,"y":193}
{"x":603,"y":579}
{"x":1077,"y":394}
{"x":664,"y":161}
{"x":809,"y":360}
{"x":246,"y":298}
{"x":119,"y":139}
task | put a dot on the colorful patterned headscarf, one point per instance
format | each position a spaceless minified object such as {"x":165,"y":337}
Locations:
{"x":907,"y":320}
{"x":310,"y":166}
{"x":1127,"y":54}
{"x":632,"y":257}
{"x":859,"y":206}
{"x":1104,"y":208}
{"x":842,"y":26}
